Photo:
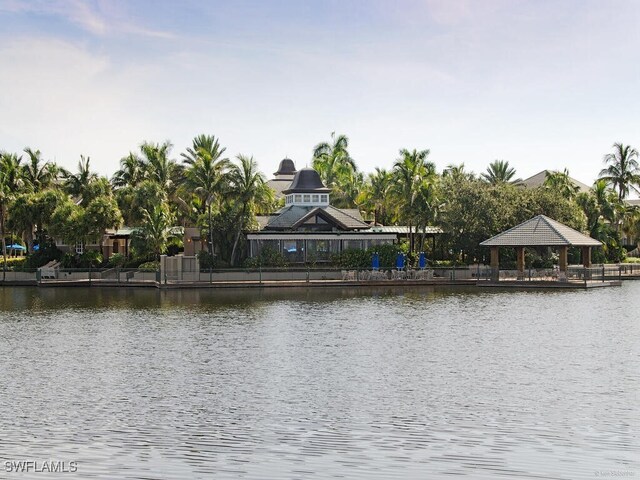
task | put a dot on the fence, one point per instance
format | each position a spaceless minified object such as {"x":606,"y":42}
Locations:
{"x":574,"y":273}
{"x":465,"y":274}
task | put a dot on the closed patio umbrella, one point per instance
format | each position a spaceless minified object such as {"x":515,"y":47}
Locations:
{"x":422,"y":262}
{"x":375,"y":261}
{"x":400,"y":261}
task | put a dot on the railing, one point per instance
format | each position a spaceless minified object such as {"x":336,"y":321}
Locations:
{"x":574,"y":273}
{"x":465,"y":274}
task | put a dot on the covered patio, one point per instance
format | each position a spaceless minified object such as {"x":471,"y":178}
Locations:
{"x":540,"y":231}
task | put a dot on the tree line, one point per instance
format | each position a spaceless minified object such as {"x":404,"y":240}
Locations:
{"x":153,"y":191}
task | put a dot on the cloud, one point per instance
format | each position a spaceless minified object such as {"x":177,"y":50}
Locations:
{"x":99,"y":18}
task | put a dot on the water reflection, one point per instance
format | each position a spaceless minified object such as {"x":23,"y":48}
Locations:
{"x":272,"y":383}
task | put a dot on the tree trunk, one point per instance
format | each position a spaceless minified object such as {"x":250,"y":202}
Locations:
{"x":4,"y":247}
{"x":235,"y":243}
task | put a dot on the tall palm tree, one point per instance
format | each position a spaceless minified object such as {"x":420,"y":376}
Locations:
{"x":158,"y":166}
{"x":37,"y":174}
{"x":374,"y":196}
{"x":249,"y":189}
{"x":332,"y":160}
{"x":77,"y":184}
{"x":130,"y":173}
{"x":10,"y":182}
{"x":623,"y":171}
{"x":409,"y":172}
{"x":206,"y":178}
{"x":499,"y":171}
{"x":203,"y":143}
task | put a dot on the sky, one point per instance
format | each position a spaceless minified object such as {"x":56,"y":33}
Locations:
{"x":540,"y":84}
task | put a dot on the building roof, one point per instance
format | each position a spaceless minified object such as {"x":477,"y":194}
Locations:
{"x":538,"y":179}
{"x":293,"y":216}
{"x":543,"y":232}
{"x":307,"y":180}
{"x":404,"y":229}
{"x":278,"y":185}
{"x":286,"y":167}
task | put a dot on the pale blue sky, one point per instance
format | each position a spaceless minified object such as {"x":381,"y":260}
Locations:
{"x":542,"y":84}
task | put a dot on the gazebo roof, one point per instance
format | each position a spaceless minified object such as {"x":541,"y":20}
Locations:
{"x":540,"y":231}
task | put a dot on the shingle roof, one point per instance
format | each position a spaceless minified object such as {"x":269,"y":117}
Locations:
{"x":289,"y":217}
{"x":307,"y":180}
{"x":538,"y":179}
{"x":278,"y":185}
{"x":540,"y":231}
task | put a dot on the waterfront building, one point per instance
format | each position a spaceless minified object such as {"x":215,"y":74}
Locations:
{"x":308,"y":229}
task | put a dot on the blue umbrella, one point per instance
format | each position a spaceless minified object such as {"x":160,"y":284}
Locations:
{"x":15,"y":246}
{"x":375,"y":261}
{"x":400,"y":261}
{"x":423,"y":260}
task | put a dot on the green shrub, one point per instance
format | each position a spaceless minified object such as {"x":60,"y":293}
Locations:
{"x":269,"y":257}
{"x":90,"y":259}
{"x":15,"y":263}
{"x":46,"y":253}
{"x":117,"y":260}
{"x":206,"y":259}
{"x":149,"y":266}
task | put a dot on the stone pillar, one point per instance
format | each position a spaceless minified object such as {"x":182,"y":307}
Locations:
{"x":586,"y":256}
{"x":563,"y":258}
{"x":520,"y":253}
{"x":495,"y":264}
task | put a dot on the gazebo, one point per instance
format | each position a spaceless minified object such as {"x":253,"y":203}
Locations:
{"x":540,"y":231}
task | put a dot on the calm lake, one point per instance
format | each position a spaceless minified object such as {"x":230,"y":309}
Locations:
{"x":321,"y":383}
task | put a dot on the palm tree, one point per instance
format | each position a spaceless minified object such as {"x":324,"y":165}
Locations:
{"x":158,"y":166}
{"x":374,"y":196}
{"x":498,"y":172}
{"x":78,"y":184}
{"x":131,"y":172}
{"x":38,"y":175}
{"x":203,"y":143}
{"x":332,"y":160}
{"x":251,"y":192}
{"x":561,"y":182}
{"x":206,"y":177}
{"x":10,"y":181}
{"x":457,"y":172}
{"x":623,"y":171}
{"x":409,"y":172}
{"x":156,"y":229}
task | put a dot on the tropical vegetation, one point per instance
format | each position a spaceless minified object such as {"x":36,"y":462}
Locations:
{"x":159,"y":194}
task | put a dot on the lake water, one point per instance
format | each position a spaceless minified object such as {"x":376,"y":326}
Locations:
{"x":321,"y":383}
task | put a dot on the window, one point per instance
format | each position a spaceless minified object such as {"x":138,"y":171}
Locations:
{"x":324,"y":198}
{"x":314,"y":198}
{"x":298,"y":198}
{"x":307,"y":198}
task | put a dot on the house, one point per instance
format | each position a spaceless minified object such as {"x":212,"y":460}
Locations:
{"x":308,"y":228}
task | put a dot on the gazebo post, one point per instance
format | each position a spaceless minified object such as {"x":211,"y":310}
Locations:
{"x":495,"y":264}
{"x":520,"y":253}
{"x":586,"y":257}
{"x":563,"y":258}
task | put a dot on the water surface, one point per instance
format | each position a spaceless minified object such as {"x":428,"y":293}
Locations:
{"x":322,"y":383}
